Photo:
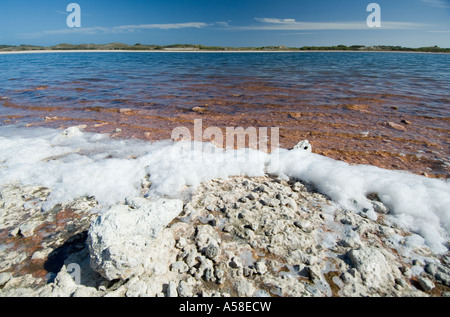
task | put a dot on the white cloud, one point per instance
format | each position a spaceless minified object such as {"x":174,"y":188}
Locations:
{"x":115,"y":29}
{"x":444,"y":4}
{"x":164,"y":26}
{"x":293,"y":25}
{"x":265,"y":24}
{"x":275,"y":21}
{"x":89,"y":30}
{"x":223,"y":23}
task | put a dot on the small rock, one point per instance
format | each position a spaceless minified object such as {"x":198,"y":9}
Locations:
{"x":73,"y":131}
{"x":235,"y":263}
{"x":443,"y":277}
{"x":244,"y":287}
{"x":253,"y":196}
{"x":396,"y":126}
{"x":364,"y":134}
{"x":271,"y":202}
{"x":261,"y":267}
{"x":190,"y":257}
{"x":200,"y":110}
{"x":227,"y":229}
{"x":263,"y":188}
{"x":431,"y":269}
{"x":220,"y":273}
{"x":401,"y":282}
{"x":4,"y":278}
{"x":290,"y":202}
{"x":417,"y":262}
{"x":313,"y":273}
{"x":41,"y":255}
{"x":242,"y":200}
{"x":304,"y":145}
{"x":379,"y":207}
{"x":180,"y":267}
{"x":172,"y":290}
{"x":212,"y":251}
{"x":125,"y":110}
{"x":26,"y":229}
{"x":373,"y":266}
{"x":121,"y":241}
{"x":295,"y":115}
{"x":425,"y":283}
{"x":136,"y":202}
{"x":185,"y":289}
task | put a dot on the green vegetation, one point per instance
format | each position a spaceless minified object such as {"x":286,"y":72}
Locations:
{"x":378,"y":48}
{"x":194,"y":47}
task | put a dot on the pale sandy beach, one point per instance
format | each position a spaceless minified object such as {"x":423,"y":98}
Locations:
{"x":205,"y":51}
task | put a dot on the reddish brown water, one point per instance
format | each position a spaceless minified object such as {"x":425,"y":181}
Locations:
{"x":388,"y":110}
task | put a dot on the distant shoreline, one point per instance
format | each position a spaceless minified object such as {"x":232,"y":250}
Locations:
{"x":209,"y":51}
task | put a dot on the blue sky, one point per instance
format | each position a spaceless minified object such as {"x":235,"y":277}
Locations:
{"x":292,"y":23}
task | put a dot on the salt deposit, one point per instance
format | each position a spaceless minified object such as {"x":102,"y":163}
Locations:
{"x":75,"y":164}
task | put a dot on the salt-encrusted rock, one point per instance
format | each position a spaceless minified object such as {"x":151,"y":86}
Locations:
{"x":123,"y":241}
{"x":379,"y":207}
{"x":73,"y":131}
{"x":304,"y":145}
{"x":185,"y":289}
{"x":375,"y":270}
{"x":261,"y":267}
{"x":41,"y":255}
{"x":426,"y":283}
{"x":244,"y":287}
{"x":227,"y":243}
{"x":136,"y":202}
{"x":4,"y":278}
{"x":443,"y":277}
{"x":180,"y":267}
{"x":431,"y":268}
{"x":65,"y":286}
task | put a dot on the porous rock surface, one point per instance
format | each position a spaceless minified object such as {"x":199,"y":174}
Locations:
{"x":237,"y":237}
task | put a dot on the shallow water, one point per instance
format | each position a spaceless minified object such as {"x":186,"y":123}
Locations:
{"x":341,"y":102}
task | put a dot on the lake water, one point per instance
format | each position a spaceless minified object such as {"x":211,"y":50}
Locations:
{"x":344,"y":103}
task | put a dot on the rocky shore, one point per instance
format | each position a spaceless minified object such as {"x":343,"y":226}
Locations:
{"x":259,"y":236}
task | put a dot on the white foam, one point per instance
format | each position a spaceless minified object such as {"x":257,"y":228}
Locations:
{"x":76,"y":163}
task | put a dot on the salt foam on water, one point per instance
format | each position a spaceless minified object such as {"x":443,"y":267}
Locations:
{"x":76,"y":163}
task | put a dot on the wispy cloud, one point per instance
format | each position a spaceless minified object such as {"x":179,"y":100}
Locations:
{"x":223,"y":23}
{"x":164,"y":26}
{"x":264,"y":24}
{"x":277,"y":24}
{"x":116,"y":29}
{"x":444,"y":4}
